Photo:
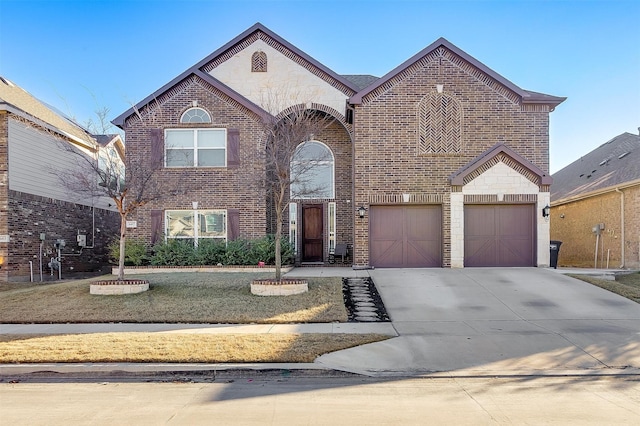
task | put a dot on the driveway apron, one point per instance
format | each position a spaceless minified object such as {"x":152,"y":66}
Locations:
{"x":497,"y":321}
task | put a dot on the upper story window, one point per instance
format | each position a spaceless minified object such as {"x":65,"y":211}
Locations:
{"x":195,"y":115}
{"x":440,"y":122}
{"x":259,"y":62}
{"x":312,"y":171}
{"x":195,"y":147}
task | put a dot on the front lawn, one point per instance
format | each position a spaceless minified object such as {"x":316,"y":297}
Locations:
{"x":627,"y":285}
{"x":193,"y":297}
{"x":178,"y":297}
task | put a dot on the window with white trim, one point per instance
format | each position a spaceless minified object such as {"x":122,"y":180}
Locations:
{"x":293,"y":227}
{"x":195,"y":115}
{"x":196,"y":225}
{"x":312,"y":171}
{"x":195,"y":147}
{"x":331,"y":220}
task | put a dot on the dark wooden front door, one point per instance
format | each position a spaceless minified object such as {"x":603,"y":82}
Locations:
{"x":405,"y":236}
{"x":312,"y":235}
{"x":499,"y":235}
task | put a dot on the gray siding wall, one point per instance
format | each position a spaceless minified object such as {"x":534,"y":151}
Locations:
{"x":35,"y":160}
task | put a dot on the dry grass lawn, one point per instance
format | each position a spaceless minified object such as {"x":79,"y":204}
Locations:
{"x":178,"y":297}
{"x":175,"y":348}
{"x":172,"y":298}
{"x":627,"y":285}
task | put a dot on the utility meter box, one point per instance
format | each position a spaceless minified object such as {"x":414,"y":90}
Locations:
{"x":82,"y":240}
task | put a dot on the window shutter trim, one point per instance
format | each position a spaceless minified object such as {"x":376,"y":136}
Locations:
{"x":233,"y":224}
{"x":233,"y":148}
{"x":156,"y":225}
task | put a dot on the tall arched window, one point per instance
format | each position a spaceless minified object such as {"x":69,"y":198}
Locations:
{"x":259,"y":62}
{"x":312,"y":171}
{"x":195,"y":115}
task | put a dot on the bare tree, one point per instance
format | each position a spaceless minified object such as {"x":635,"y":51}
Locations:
{"x":291,"y":162}
{"x":129,"y":184}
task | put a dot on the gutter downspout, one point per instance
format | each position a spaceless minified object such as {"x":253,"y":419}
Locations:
{"x":621,"y":227}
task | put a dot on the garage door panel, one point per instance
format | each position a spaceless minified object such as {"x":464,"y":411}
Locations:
{"x":388,"y":252}
{"x":422,"y":252}
{"x":485,"y":220}
{"x":479,"y":251}
{"x":499,"y":235}
{"x":405,"y":236}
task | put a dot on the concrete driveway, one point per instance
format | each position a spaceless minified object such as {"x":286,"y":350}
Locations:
{"x":490,"y":321}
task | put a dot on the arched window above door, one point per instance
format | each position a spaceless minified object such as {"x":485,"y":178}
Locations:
{"x":312,"y":172}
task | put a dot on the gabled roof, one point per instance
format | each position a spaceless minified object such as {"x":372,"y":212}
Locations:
{"x":20,"y":102}
{"x":197,"y":70}
{"x":114,"y":140}
{"x":613,"y":164}
{"x":458,"y":177}
{"x":525,"y":95}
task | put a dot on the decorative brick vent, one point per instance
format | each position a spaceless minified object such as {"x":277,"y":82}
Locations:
{"x":115,"y":287}
{"x":279,"y":287}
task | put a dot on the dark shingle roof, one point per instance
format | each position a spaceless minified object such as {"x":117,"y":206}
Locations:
{"x":611,"y":164}
{"x":360,"y":80}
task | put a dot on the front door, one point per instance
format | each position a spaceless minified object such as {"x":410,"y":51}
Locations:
{"x":312,"y":235}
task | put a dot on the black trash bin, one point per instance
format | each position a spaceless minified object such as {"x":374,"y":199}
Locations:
{"x":554,"y":249}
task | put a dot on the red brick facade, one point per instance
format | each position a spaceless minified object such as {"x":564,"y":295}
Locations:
{"x":408,"y":134}
{"x":387,"y":158}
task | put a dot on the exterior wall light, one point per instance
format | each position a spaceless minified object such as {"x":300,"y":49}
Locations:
{"x":545,"y":211}
{"x":361,"y":211}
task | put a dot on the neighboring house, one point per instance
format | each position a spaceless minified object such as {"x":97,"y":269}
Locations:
{"x":440,"y":163}
{"x":595,"y":206}
{"x":36,"y":209}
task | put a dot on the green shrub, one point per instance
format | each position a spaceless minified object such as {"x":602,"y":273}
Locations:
{"x":173,"y":253}
{"x":209,"y":252}
{"x":264,"y":250}
{"x":135,"y":252}
{"x":237,"y":253}
{"x":213,"y":252}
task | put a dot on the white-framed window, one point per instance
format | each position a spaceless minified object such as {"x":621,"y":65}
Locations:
{"x":293,"y":226}
{"x":331,"y":220}
{"x":195,"y":225}
{"x":312,"y":171}
{"x":195,"y":147}
{"x":195,"y":115}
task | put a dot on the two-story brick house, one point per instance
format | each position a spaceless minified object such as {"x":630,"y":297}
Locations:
{"x":440,"y":163}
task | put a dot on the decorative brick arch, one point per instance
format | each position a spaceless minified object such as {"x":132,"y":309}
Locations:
{"x":322,"y":108}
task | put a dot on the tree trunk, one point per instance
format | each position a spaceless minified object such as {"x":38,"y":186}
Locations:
{"x":123,"y":230}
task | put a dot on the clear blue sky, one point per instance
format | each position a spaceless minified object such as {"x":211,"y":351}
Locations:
{"x":81,"y":55}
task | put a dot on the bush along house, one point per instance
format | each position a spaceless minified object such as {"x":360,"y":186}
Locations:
{"x":441,"y":162}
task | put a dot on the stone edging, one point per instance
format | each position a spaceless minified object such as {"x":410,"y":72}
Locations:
{"x":115,"y":287}
{"x":279,"y":288}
